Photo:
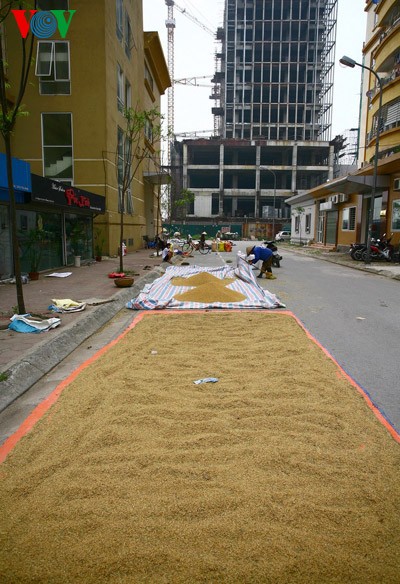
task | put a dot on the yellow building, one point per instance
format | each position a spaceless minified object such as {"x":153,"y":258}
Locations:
{"x":81,"y":81}
{"x":381,"y":113}
{"x":339,"y":210}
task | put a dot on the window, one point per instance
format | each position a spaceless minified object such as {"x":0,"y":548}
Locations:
{"x":57,"y":146}
{"x":396,"y":215}
{"x":349,"y":219}
{"x":308,"y":222}
{"x":297,"y":223}
{"x":129,"y":202}
{"x":120,"y":88}
{"x":128,"y":36}
{"x":391,"y":114}
{"x":148,"y":77}
{"x":128,"y":94}
{"x":120,"y":12}
{"x":53,"y":4}
{"x":53,"y":67}
{"x":125,"y":205}
{"x":148,"y":131}
{"x":215,"y":204}
{"x":120,"y":156}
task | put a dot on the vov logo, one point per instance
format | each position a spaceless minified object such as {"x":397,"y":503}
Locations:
{"x":43,"y":23}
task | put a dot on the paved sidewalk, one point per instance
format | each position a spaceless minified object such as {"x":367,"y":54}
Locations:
{"x":387,"y":269}
{"x":26,"y":358}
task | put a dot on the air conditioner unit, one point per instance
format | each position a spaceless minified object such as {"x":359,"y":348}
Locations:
{"x":334,"y":199}
{"x":396,"y":184}
{"x":343,"y":198}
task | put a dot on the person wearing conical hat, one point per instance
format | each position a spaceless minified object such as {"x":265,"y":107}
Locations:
{"x":264,"y":254}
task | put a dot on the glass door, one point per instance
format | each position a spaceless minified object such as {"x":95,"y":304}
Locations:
{"x":321,"y":227}
{"x":78,"y":237}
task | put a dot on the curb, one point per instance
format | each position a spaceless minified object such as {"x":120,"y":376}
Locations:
{"x":24,"y":373}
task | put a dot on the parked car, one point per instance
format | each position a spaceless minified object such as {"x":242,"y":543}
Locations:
{"x":226,"y":236}
{"x":283,"y":236}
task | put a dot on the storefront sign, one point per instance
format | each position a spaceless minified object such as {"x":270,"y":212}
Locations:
{"x":51,"y":192}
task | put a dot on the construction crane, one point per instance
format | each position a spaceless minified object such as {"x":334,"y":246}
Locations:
{"x":194,"y":19}
{"x":193,"y":81}
{"x":194,"y":133}
{"x":170,"y":24}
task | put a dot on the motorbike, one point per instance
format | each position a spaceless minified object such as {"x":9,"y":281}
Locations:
{"x":276,"y":257}
{"x":356,"y":250}
{"x":381,"y":249}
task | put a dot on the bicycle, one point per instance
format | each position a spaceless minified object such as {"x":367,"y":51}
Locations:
{"x":203,"y":248}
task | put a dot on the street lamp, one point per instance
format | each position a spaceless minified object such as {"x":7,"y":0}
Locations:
{"x":273,"y":216}
{"x":348,"y":62}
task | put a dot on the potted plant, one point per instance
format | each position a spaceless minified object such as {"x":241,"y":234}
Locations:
{"x":99,"y":242}
{"x":77,"y":243}
{"x":34,"y":249}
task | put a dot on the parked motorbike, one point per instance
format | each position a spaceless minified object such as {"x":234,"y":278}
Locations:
{"x":356,"y":250}
{"x":381,"y":249}
{"x":276,"y":257}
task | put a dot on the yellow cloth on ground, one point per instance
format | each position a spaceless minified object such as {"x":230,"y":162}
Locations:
{"x":68,"y":305}
{"x":65,"y":302}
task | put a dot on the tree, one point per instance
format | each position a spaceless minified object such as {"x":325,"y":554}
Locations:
{"x":137,"y":142}
{"x":177,"y":208}
{"x":10,"y":111}
{"x":186,"y":197}
{"x":298,"y":213}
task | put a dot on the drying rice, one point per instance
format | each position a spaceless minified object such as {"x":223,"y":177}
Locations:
{"x":207,"y":289}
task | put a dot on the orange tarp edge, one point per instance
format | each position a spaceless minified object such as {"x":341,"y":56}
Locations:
{"x":43,"y":407}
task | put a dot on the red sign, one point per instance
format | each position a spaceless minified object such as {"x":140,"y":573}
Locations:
{"x":73,"y":199}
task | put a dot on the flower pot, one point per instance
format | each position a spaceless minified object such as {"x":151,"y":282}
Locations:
{"x":123,"y":282}
{"x":33,"y":275}
{"x":98,"y":258}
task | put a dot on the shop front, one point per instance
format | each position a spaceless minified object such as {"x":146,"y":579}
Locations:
{"x":54,"y":221}
{"x":65,"y":214}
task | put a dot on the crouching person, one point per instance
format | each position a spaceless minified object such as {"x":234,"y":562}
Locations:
{"x":257,"y":253}
{"x":167,"y":253}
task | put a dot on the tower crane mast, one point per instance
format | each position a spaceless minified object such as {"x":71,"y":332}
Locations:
{"x":170,"y":24}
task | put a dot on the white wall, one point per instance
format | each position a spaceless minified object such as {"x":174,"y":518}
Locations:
{"x":202,"y":205}
{"x":309,"y":208}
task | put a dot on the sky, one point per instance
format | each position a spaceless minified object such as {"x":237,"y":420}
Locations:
{"x":194,"y":56}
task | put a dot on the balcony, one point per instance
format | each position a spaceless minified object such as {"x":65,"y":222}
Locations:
{"x":388,"y":46}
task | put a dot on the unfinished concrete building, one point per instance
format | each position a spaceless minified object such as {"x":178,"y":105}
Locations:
{"x":276,"y":69}
{"x":273,"y":106}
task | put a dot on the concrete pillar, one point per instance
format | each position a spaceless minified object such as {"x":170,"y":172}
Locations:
{"x":221,"y":179}
{"x":294,"y":167}
{"x":185,"y":167}
{"x":257,"y":193}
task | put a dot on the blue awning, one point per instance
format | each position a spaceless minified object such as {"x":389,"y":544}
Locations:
{"x":21,"y":173}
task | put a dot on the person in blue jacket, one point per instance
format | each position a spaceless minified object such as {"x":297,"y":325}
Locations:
{"x":257,"y":253}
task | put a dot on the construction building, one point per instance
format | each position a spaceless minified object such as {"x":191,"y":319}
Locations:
{"x":73,"y":138}
{"x":274,"y":83}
